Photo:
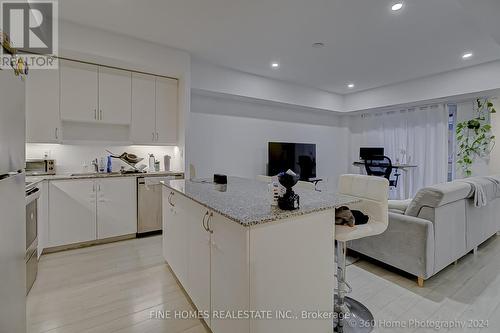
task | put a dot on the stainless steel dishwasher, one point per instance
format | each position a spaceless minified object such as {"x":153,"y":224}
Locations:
{"x":149,"y":204}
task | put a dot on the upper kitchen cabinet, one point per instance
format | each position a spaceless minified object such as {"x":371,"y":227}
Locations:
{"x":79,"y":98}
{"x":154,"y":110}
{"x":166,"y":110}
{"x":115,"y":96}
{"x":43,"y":123}
{"x":143,"y":128}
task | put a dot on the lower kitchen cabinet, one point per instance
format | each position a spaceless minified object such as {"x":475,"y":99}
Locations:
{"x":72,"y":212}
{"x":229,"y":282}
{"x":209,"y":256}
{"x":89,"y":209}
{"x":116,"y":207}
{"x":175,"y":234}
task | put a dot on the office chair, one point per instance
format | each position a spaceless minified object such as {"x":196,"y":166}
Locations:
{"x":381,"y":166}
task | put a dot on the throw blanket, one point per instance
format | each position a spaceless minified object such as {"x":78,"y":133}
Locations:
{"x":480,"y":199}
{"x":480,"y":191}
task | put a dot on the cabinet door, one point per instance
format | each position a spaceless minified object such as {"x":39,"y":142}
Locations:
{"x":43,"y":216}
{"x":230,"y":284}
{"x":43,"y":123}
{"x":116,"y":207}
{"x":175,"y":234}
{"x":78,"y":91}
{"x":198,"y":273}
{"x":115,"y":89}
{"x":142,"y":130}
{"x":166,"y":110}
{"x":72,"y":212}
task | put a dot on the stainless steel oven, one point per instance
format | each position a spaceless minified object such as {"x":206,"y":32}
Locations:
{"x":40,"y":167}
{"x":32,"y":195}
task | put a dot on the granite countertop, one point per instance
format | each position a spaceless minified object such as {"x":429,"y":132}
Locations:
{"x":37,"y":179}
{"x":248,"y":201}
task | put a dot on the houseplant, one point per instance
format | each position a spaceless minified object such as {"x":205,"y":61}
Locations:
{"x":474,"y":136}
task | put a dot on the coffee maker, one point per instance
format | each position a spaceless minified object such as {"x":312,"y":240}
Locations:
{"x":289,"y":200}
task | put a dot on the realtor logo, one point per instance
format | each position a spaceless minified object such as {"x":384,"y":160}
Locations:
{"x":32,"y":29}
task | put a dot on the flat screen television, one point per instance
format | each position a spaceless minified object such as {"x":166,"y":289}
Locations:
{"x":298,"y":157}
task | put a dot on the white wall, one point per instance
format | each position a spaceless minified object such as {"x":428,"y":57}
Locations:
{"x":216,"y":79}
{"x":436,"y":88}
{"x":70,"y":158}
{"x":231,"y":137}
{"x":89,"y":44}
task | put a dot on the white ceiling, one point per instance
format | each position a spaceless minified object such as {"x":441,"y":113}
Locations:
{"x":365,"y":42}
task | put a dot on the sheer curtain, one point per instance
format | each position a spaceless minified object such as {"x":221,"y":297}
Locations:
{"x":416,"y":136}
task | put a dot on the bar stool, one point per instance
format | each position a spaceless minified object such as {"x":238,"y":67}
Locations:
{"x":352,"y":316}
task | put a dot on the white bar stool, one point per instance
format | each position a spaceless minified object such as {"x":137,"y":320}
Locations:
{"x":352,"y":316}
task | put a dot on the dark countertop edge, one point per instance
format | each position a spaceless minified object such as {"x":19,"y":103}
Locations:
{"x":252,"y":223}
{"x":37,"y":179}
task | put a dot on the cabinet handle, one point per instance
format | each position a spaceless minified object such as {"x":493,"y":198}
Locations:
{"x":203,"y":221}
{"x":170,"y":197}
{"x":153,"y":136}
{"x":208,"y":223}
{"x":95,"y":114}
{"x":156,"y":136}
{"x":56,"y":133}
{"x":93,"y":187}
{"x":99,"y":187}
{"x":100,"y":111}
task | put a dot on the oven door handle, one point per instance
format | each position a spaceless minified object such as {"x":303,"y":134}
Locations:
{"x":32,"y":195}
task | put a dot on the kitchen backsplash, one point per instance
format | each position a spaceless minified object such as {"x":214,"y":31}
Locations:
{"x":71,"y":158}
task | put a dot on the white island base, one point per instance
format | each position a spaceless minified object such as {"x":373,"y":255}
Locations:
{"x":283,"y":267}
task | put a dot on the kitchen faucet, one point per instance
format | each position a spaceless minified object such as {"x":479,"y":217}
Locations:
{"x":95,"y":163}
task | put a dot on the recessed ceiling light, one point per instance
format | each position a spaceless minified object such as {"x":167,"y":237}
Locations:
{"x":319,"y":45}
{"x":350,"y":85}
{"x":275,"y":65}
{"x":467,"y":55}
{"x":397,"y":6}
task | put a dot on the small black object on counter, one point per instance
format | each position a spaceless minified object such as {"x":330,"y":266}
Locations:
{"x":290,"y":200}
{"x":220,"y":179}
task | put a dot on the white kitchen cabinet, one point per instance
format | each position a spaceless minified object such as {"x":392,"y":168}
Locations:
{"x":115,"y":87}
{"x":79,"y":98}
{"x":43,"y":216}
{"x":229,"y":273}
{"x":166,"y":110}
{"x":116,"y":207}
{"x":175,"y":235}
{"x":43,"y":122}
{"x":198,"y":254}
{"x":72,"y":212}
{"x":143,"y":127}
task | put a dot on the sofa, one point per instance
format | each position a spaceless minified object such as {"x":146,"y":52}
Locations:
{"x":436,"y":228}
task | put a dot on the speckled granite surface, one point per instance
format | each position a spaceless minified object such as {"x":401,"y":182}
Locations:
{"x":248,"y":202}
{"x":37,"y":179}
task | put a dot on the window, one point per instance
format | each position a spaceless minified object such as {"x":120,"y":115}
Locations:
{"x":452,"y":121}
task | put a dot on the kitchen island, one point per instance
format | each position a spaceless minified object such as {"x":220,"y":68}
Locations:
{"x":248,"y":266}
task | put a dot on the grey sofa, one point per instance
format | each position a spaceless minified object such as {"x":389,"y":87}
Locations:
{"x":440,"y":225}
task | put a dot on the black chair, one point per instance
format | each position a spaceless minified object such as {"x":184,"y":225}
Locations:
{"x":381,"y":166}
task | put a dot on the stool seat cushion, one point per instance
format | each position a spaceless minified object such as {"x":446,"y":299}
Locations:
{"x":344,"y":233}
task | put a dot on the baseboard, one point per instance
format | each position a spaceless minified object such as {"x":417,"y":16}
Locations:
{"x":80,"y":245}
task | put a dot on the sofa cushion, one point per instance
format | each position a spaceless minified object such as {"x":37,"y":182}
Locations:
{"x":438,"y":195}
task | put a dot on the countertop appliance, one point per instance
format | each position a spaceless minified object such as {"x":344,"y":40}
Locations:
{"x":12,"y":204}
{"x":32,"y":195}
{"x":149,"y":204}
{"x":38,"y":167}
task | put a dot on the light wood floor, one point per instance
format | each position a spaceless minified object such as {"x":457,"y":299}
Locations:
{"x":113,"y":288}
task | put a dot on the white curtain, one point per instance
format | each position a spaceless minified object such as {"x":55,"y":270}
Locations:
{"x":416,"y":136}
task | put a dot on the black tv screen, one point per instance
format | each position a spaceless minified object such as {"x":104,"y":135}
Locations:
{"x":298,"y":157}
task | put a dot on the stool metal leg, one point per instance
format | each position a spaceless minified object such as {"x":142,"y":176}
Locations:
{"x":351,"y":315}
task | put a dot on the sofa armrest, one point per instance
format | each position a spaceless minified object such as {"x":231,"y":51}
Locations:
{"x":407,"y":244}
{"x":399,"y":204}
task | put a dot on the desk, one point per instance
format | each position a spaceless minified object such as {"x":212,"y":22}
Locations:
{"x":397,"y":166}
